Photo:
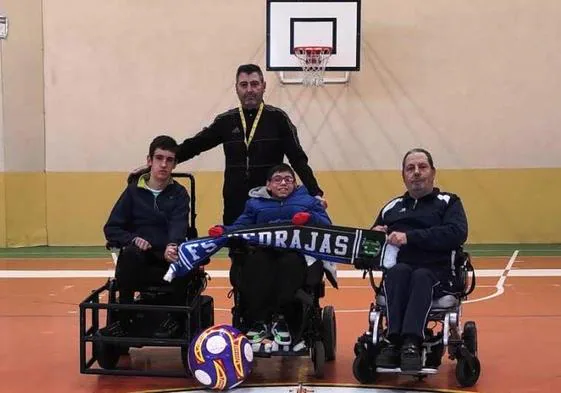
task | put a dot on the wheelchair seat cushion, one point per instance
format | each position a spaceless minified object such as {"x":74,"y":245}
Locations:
{"x":443,"y":302}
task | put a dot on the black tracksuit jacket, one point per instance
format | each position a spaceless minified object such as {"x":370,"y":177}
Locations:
{"x":246,"y":168}
{"x":435,"y":225}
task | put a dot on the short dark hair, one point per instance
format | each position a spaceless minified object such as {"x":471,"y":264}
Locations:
{"x":249,"y":69}
{"x":418,"y":150}
{"x":280,"y":168}
{"x":163,"y":142}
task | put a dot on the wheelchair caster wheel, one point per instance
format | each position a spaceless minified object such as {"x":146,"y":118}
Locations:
{"x":467,"y":371}
{"x":469,"y":336}
{"x":329,"y":332}
{"x":318,"y":358}
{"x":364,"y":369}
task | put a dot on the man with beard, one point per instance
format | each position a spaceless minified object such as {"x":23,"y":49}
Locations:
{"x":255,"y":138}
{"x":427,"y":227}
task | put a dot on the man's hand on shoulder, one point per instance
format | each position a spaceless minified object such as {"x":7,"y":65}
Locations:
{"x":322,"y":200}
{"x":380,"y":228}
{"x":137,"y":172}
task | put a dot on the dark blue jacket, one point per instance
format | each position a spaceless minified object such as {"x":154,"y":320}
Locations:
{"x":159,"y":221}
{"x":262,"y":208}
{"x":435,"y":225}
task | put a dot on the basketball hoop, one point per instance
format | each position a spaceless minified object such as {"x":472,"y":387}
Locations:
{"x":313,"y":60}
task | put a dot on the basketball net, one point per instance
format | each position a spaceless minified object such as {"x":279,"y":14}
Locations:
{"x":313,"y":60}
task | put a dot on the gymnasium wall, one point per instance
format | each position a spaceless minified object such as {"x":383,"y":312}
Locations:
{"x":476,"y":83}
{"x":22,"y":130}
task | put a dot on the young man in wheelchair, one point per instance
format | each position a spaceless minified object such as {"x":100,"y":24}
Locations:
{"x":424,"y":228}
{"x":147,"y":223}
{"x":270,"y":278}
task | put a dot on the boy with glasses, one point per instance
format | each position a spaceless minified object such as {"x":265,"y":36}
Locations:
{"x":270,"y":278}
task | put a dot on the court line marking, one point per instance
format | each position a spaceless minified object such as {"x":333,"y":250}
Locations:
{"x":500,"y":287}
{"x":501,"y":273}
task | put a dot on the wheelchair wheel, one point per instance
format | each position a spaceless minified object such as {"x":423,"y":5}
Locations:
{"x":469,"y":337}
{"x":318,"y":358}
{"x":364,"y":369}
{"x":107,"y":355}
{"x":467,"y":371}
{"x":329,"y":332}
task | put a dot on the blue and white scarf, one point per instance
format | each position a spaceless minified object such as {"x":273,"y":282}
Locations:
{"x":325,"y":243}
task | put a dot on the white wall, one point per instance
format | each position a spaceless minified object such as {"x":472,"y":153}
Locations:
{"x":477,"y":82}
{"x":23,"y":87}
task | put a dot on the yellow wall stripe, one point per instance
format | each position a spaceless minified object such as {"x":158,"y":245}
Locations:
{"x":503,"y":205}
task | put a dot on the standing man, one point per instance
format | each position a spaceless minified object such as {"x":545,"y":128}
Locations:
{"x":255,"y":138}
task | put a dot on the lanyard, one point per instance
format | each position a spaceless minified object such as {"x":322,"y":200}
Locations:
{"x":253,"y":127}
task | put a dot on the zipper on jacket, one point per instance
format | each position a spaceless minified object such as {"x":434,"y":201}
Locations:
{"x":415,"y":204}
{"x":247,"y":165}
{"x":156,"y":207}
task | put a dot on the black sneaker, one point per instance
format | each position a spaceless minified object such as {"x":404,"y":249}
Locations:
{"x":115,"y":329}
{"x":411,"y":358}
{"x":388,"y":357}
{"x":169,"y":328}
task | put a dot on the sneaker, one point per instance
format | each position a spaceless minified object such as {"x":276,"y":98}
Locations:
{"x":169,"y":328}
{"x":411,"y":358}
{"x":115,"y":329}
{"x":257,"y":333}
{"x":388,"y":357}
{"x":280,"y":332}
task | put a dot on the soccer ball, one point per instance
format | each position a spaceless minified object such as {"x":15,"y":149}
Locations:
{"x":220,"y":357}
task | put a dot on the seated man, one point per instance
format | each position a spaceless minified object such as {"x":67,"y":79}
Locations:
{"x":147,"y":223}
{"x":427,"y":226}
{"x":270,"y":278}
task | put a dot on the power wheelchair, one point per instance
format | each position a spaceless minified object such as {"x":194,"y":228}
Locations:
{"x":445,"y":312}
{"x":316,"y":336}
{"x":149,"y":309}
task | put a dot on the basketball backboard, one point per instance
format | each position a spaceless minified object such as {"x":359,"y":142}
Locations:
{"x":333,"y":23}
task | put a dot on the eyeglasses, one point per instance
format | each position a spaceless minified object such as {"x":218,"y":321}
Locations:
{"x":280,"y":179}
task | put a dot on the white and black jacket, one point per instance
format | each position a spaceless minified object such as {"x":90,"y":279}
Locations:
{"x":435,"y":226}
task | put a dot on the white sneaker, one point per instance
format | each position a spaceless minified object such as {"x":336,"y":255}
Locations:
{"x":280,"y":332}
{"x":257,"y":333}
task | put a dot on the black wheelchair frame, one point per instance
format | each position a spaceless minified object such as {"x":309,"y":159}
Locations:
{"x":446,"y":311}
{"x":318,"y":330}
{"x":198,"y":313}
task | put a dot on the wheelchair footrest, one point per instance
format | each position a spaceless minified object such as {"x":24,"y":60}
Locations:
{"x":269,"y":348}
{"x":397,"y":370}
